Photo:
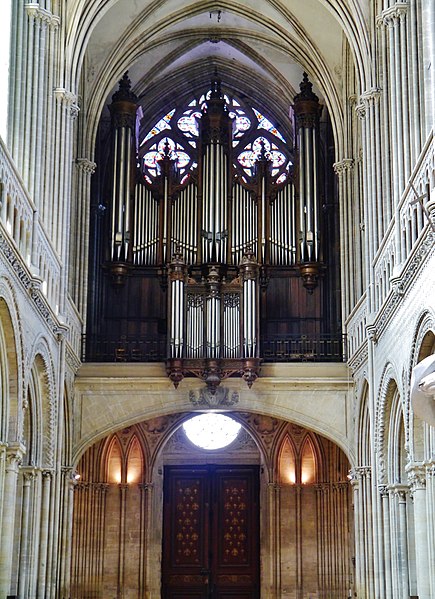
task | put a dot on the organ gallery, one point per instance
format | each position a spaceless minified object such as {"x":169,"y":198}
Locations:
{"x":228,"y":224}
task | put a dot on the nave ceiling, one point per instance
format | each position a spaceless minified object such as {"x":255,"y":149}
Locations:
{"x":171,"y":50}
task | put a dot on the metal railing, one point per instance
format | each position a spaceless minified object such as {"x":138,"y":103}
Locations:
{"x":276,"y":348}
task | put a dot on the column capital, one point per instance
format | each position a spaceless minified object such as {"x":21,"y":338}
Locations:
{"x":399,"y":490}
{"x":41,"y":16}
{"x":416,"y":477}
{"x":346,"y":164}
{"x":69,"y":101}
{"x":392,"y":15}
{"x":14,"y":457}
{"x":29,"y":475}
{"x":370,"y":96}
{"x":354,"y":477}
{"x":86,"y":166}
{"x":146,"y":486}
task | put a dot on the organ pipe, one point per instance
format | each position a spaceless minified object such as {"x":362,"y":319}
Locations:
{"x":177,"y":275}
{"x":249,"y":276}
{"x":307,"y":112}
{"x":123,"y":112}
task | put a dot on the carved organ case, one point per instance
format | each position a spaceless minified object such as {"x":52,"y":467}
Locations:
{"x":210,"y":243}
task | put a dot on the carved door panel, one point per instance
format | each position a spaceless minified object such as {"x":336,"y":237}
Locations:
{"x":211,"y":533}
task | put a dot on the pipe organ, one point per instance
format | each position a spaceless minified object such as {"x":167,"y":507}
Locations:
{"x":212,"y":215}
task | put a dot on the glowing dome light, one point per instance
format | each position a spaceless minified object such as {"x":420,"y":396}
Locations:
{"x":211,"y":431}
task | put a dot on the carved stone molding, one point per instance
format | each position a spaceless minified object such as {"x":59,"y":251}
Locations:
{"x":361,"y":110}
{"x":404,"y":282}
{"x":372,"y":333}
{"x":222,"y":397}
{"x":359,"y":359}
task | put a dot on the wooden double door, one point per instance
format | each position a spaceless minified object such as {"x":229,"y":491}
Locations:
{"x":211,"y":533}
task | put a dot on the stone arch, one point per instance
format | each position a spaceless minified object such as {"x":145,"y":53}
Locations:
{"x":11,"y":374}
{"x":423,"y":345}
{"x":42,"y":373}
{"x":389,"y":402}
{"x":286,"y":452}
{"x":363,"y":429}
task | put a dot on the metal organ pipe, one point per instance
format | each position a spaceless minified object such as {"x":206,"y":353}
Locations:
{"x":123,"y":111}
{"x":302,"y":194}
{"x":315,"y":206}
{"x":177,"y":273}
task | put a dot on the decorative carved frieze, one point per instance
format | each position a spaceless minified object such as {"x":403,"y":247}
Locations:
{"x":404,"y":282}
{"x":222,"y":397}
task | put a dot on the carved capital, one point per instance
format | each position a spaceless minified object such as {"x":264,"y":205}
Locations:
{"x":41,"y":17}
{"x":86,"y":166}
{"x":68,"y":100}
{"x":14,"y":457}
{"x":399,"y":491}
{"x":416,"y":477}
{"x":147,"y":487}
{"x":347,"y":164}
{"x":370,"y":96}
{"x":29,"y":475}
{"x":392,"y":15}
{"x":353,"y":477}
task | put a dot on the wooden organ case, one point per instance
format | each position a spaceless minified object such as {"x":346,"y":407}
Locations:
{"x":208,"y":268}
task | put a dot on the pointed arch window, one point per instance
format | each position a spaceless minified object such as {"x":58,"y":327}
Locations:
{"x":114,"y":463}
{"x":134,"y":462}
{"x":287,"y":463}
{"x":175,"y":135}
{"x":308,"y":463}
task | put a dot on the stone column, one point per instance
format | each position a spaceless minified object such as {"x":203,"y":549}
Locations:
{"x":44,"y":527}
{"x":349,"y":232}
{"x":79,"y":254}
{"x":386,"y":539}
{"x":274,"y":539}
{"x":430,"y":469}
{"x":69,"y":482}
{"x":402,"y":575}
{"x":417,"y":481}
{"x":145,"y":490}
{"x":123,"y":488}
{"x":14,"y":456}
{"x":28,"y":480}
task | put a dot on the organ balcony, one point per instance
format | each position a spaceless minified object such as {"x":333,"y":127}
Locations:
{"x":213,"y":252}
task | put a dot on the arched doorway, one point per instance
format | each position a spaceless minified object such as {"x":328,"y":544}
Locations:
{"x":211,"y":513}
{"x":127,"y":480}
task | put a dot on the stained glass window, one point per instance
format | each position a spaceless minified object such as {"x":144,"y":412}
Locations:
{"x":176,"y":134}
{"x":160,"y":126}
{"x":264,"y":123}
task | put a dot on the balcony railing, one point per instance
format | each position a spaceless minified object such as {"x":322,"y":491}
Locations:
{"x":277,"y":348}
